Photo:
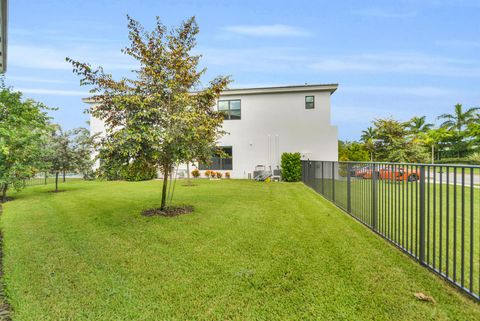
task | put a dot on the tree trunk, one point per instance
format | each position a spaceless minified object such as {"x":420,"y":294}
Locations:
{"x":433,"y":154}
{"x":4,"y":193}
{"x":56,"y":181}
{"x":64,"y":174}
{"x":164,"y":187}
{"x":188,"y":174}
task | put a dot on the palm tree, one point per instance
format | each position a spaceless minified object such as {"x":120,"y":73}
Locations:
{"x":418,"y":125}
{"x":367,"y":134}
{"x":368,"y":137}
{"x":459,"y":118}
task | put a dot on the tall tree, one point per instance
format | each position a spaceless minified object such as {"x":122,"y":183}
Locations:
{"x":367,"y":134}
{"x":418,"y":125}
{"x":60,"y":156}
{"x":82,"y":144}
{"x":368,"y":138}
{"x":459,"y":119}
{"x":154,"y":118}
{"x":24,"y":126}
{"x":69,"y":151}
{"x":394,"y":145}
{"x":352,"y":151}
{"x":457,"y":122}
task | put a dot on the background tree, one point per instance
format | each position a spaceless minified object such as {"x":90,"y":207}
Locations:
{"x":69,"y":151}
{"x":459,"y":119}
{"x":59,"y":156}
{"x":394,"y":145}
{"x":457,"y":122}
{"x":24,"y":126}
{"x":368,"y":138}
{"x":82,"y":144}
{"x":418,"y":125}
{"x":352,"y":151}
{"x":154,"y":119}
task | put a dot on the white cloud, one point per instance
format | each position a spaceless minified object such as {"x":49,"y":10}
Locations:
{"x":275,"y":30}
{"x":54,"y":92}
{"x":418,"y":91}
{"x":255,"y":59}
{"x":53,"y":58}
{"x":36,"y":79}
{"x":291,"y":59}
{"x":408,"y":63}
{"x":381,"y":13}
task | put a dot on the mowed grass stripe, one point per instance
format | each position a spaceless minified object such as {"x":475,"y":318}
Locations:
{"x":250,"y":251}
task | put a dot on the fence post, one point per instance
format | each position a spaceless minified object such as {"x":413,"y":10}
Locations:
{"x":333,"y":182}
{"x":323,"y":186}
{"x":374,"y":197}
{"x":421,"y":256}
{"x":46,"y":178}
{"x":349,"y":190}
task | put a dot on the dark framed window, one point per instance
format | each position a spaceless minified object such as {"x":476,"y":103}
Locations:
{"x":309,"y":102}
{"x":219,"y":162}
{"x":231,"y":109}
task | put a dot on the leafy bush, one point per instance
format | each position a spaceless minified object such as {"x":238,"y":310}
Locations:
{"x":227,"y":174}
{"x":196,"y":173}
{"x":291,"y":167}
{"x":219,"y":175}
{"x":138,"y":171}
{"x":459,"y":160}
{"x":208,"y":173}
{"x":474,"y":158}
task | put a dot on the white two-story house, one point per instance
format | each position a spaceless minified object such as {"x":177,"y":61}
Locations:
{"x":262,"y":123}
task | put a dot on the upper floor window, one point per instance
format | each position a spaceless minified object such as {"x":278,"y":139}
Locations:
{"x":309,"y":102}
{"x":231,"y":109}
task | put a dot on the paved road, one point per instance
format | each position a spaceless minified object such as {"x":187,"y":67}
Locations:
{"x":451,"y":178}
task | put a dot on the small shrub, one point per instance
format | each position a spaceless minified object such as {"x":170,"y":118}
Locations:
{"x":219,"y":175}
{"x":138,"y":171}
{"x":208,"y":173}
{"x":458,"y":160}
{"x":291,"y":167}
{"x":474,"y":159}
{"x":227,"y":174}
{"x":195,"y":173}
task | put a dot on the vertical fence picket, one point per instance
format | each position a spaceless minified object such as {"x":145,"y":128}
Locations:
{"x":410,"y":206}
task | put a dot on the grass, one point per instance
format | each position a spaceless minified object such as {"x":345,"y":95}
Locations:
{"x":250,"y":251}
{"x":398,"y":220}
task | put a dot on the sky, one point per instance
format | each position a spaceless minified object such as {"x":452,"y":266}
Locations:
{"x":391,"y":58}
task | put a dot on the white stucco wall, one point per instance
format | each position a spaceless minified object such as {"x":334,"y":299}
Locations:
{"x":273,"y":123}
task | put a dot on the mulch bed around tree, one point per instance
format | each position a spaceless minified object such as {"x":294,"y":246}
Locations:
{"x":7,"y":199}
{"x":59,"y":191}
{"x":170,"y":211}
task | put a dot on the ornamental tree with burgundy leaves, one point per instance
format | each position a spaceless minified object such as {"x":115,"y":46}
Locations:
{"x":157,"y":118}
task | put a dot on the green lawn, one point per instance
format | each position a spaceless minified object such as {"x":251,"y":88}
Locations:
{"x":398,"y":219}
{"x":250,"y":251}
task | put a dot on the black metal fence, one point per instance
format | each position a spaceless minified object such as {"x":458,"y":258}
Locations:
{"x":48,"y":178}
{"x":431,"y":212}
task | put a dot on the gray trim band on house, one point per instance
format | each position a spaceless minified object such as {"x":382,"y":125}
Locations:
{"x":268,"y":90}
